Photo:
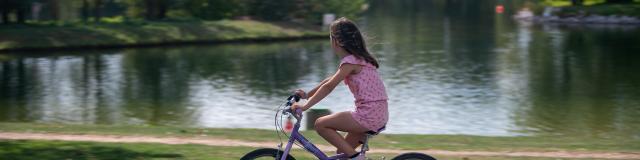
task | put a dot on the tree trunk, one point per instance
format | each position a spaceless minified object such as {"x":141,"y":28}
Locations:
{"x":54,"y":9}
{"x":4,"y":9}
{"x":97,"y":10}
{"x":85,"y":10}
{"x":162,"y":9}
{"x":21,"y":13}
{"x":149,"y":8}
{"x":155,"y":9}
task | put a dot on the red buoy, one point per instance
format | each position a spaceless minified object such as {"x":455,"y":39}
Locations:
{"x":499,"y":9}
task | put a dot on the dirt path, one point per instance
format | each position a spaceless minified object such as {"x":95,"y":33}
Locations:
{"x":229,"y":142}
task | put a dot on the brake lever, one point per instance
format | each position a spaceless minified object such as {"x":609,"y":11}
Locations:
{"x":286,"y":111}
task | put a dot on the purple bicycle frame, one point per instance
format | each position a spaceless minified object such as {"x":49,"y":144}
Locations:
{"x":295,"y":135}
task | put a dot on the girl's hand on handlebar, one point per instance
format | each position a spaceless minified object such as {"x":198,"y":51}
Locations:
{"x":301,"y":93}
{"x":298,"y":106}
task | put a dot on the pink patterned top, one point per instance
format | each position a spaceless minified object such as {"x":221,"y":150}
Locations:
{"x":366,"y":86}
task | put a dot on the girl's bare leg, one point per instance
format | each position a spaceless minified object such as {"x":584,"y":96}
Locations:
{"x":328,"y":126}
{"x":354,"y":140}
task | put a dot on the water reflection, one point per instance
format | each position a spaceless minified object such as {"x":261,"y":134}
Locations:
{"x":580,"y":80}
{"x":451,"y":67}
{"x":151,"y":86}
{"x":497,"y":75}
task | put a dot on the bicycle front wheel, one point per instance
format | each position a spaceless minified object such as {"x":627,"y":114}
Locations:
{"x":413,"y":156}
{"x":265,"y":153}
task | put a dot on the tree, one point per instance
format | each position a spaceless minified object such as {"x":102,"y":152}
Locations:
{"x":214,"y":9}
{"x":19,"y":8}
{"x":97,"y":10}
{"x":85,"y":10}
{"x":272,"y":9}
{"x":134,"y":8}
{"x":21,"y":11}
{"x":312,"y":10}
{"x":54,"y":11}
{"x":155,"y":9}
{"x":147,"y":9}
{"x":4,"y":10}
{"x":576,"y":2}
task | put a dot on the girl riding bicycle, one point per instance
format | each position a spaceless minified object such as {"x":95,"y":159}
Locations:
{"x":358,"y":71}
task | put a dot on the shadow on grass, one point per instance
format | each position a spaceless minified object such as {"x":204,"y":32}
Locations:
{"x":30,"y":150}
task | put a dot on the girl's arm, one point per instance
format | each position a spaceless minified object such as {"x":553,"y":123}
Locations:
{"x":328,"y":86}
{"x":313,"y":91}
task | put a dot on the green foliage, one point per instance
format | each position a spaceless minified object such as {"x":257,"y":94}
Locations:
{"x":561,"y":3}
{"x":116,"y":19}
{"x":619,"y":1}
{"x":314,"y":9}
{"x":135,"y":8}
{"x":213,"y":9}
{"x":271,"y":9}
{"x":592,"y":7}
{"x":603,"y":10}
{"x":17,"y":8}
{"x":308,"y":10}
{"x":339,"y":7}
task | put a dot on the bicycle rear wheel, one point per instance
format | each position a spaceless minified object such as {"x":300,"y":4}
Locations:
{"x":265,"y":153}
{"x":413,"y":156}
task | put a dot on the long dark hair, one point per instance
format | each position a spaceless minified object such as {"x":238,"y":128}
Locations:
{"x":348,"y":36}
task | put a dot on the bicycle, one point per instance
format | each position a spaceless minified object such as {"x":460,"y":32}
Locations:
{"x":296,"y":136}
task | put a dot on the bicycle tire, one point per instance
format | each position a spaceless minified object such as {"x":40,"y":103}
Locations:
{"x":265,"y":152}
{"x":412,"y":156}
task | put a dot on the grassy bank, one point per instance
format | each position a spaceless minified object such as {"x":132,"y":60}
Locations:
{"x":590,"y":7}
{"x":387,"y":141}
{"x":55,"y":150}
{"x":50,"y":36}
{"x":602,"y":10}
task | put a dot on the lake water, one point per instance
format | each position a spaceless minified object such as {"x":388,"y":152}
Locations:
{"x":450,"y":67}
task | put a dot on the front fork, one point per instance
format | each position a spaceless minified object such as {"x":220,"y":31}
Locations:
{"x":288,"y":148}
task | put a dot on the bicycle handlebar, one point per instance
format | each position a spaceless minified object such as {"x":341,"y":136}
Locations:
{"x":292,"y":99}
{"x":298,"y":112}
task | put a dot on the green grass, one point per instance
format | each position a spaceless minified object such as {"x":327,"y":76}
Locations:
{"x":564,"y":3}
{"x":525,"y":143}
{"x":59,"y":150}
{"x":388,"y":141}
{"x":53,"y":35}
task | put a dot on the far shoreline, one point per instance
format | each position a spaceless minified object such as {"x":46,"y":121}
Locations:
{"x":599,"y":14}
{"x":164,"y":44}
{"x":34,"y":38}
{"x":588,"y":20}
